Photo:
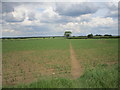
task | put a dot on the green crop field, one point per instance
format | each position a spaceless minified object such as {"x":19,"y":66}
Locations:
{"x":46,"y":63}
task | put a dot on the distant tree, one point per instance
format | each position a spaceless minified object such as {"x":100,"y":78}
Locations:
{"x":67,"y":34}
{"x":98,"y":35}
{"x":90,"y":35}
{"x":107,"y":35}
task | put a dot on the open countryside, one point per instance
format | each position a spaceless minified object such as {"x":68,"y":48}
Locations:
{"x":60,"y":63}
{"x":52,"y":44}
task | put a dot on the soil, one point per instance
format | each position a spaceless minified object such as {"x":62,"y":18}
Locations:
{"x":76,"y":70}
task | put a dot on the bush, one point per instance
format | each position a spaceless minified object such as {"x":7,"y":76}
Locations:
{"x":90,"y":35}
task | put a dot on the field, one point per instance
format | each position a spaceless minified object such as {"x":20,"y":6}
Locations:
{"x":60,"y":63}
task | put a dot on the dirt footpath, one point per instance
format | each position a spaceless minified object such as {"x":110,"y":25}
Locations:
{"x":76,"y":70}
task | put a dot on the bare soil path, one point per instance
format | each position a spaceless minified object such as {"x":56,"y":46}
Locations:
{"x":76,"y":70}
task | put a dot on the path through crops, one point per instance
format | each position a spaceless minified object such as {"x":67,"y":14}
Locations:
{"x":76,"y":70}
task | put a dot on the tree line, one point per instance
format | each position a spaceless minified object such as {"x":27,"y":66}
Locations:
{"x":67,"y":34}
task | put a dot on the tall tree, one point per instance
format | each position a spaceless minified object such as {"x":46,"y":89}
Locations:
{"x":67,"y":34}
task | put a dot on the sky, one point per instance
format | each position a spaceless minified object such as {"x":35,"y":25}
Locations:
{"x":54,"y":18}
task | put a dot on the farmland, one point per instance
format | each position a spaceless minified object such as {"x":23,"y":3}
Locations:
{"x":46,"y":63}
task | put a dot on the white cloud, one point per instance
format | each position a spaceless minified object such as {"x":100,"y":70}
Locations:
{"x":71,"y":26}
{"x":98,"y":21}
{"x":8,"y":30}
{"x":85,"y":17}
{"x":95,"y":24}
{"x":30,"y":18}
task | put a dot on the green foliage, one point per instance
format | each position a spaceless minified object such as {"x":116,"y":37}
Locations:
{"x":107,"y":35}
{"x":48,"y":83}
{"x":98,"y":35}
{"x":102,"y":76}
{"x":34,"y":44}
{"x":78,"y":37}
{"x":67,"y":34}
{"x":95,"y":55}
{"x":90,"y":35}
{"x":92,"y":52}
{"x":98,"y":57}
{"x":94,"y":37}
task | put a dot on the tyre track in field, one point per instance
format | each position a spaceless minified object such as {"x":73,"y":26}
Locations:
{"x":76,"y":68}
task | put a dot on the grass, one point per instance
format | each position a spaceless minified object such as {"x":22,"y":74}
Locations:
{"x":49,"y":83}
{"x":100,"y":77}
{"x":45,"y":63}
{"x":24,"y":63}
{"x":34,"y":44}
{"x":93,"y":52}
{"x":100,"y":61}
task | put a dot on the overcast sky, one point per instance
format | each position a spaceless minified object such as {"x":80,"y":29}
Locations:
{"x":46,"y":19}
